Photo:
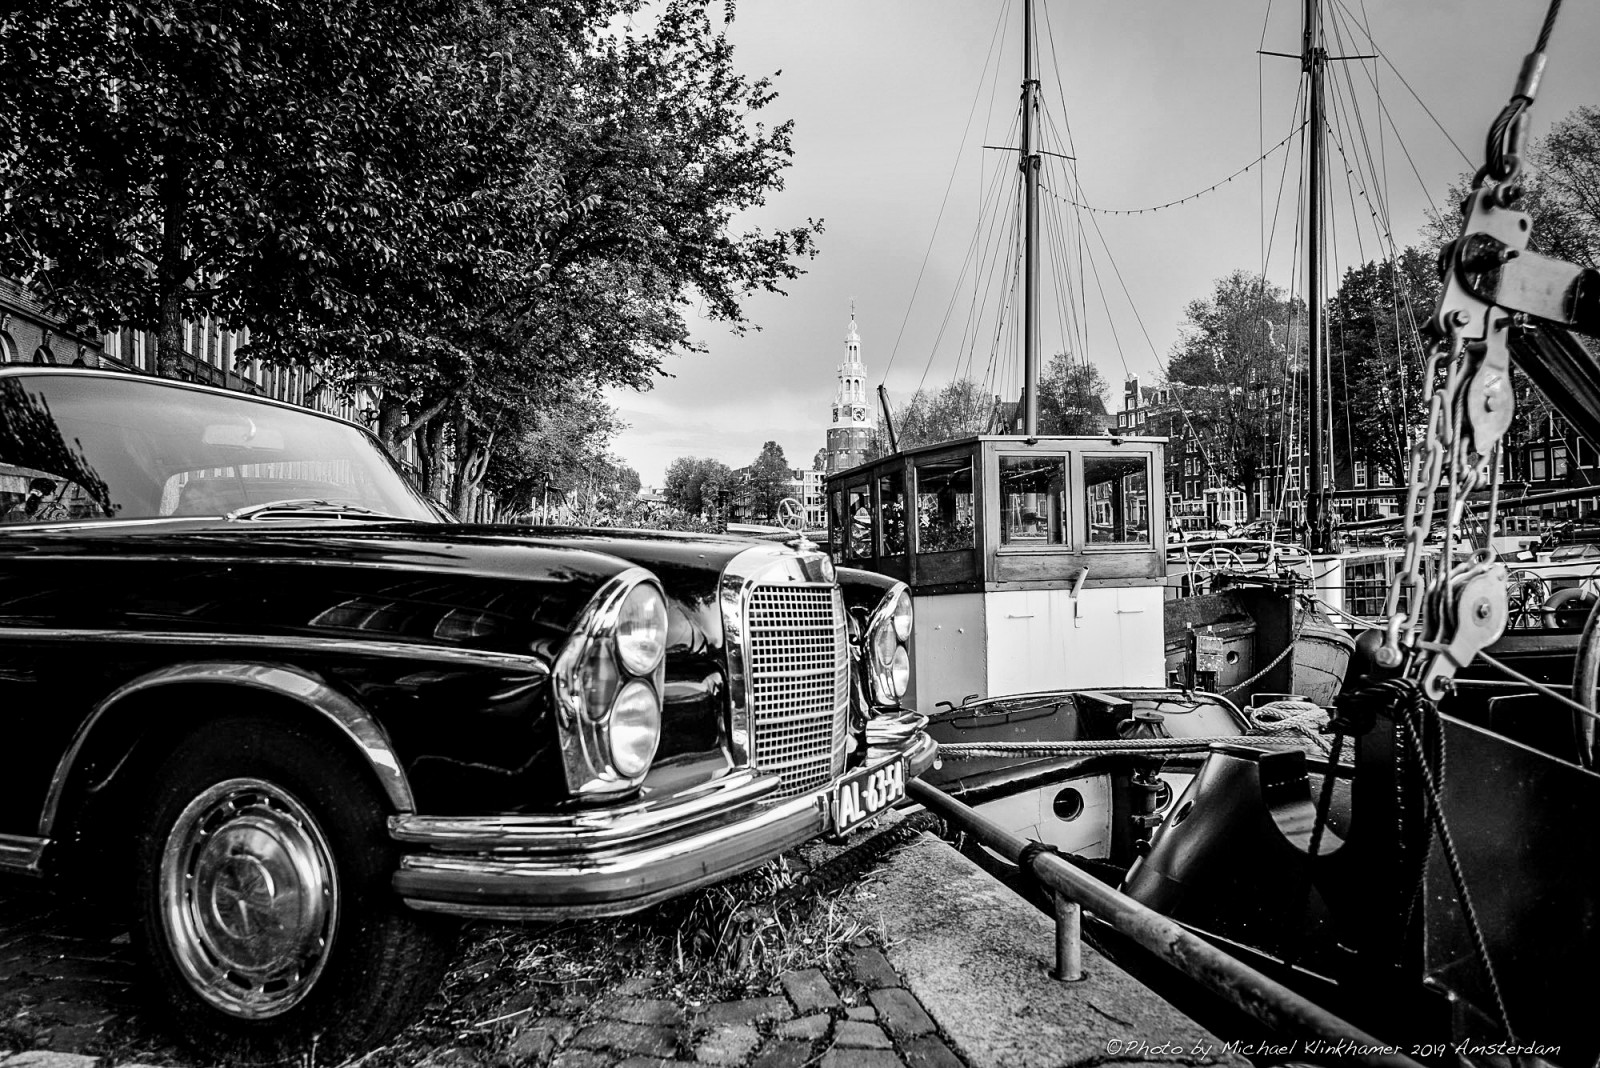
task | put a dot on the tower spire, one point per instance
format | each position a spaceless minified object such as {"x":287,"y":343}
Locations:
{"x":849,"y":429}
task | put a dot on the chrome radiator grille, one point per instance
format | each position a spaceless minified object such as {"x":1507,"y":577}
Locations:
{"x":799,"y":662}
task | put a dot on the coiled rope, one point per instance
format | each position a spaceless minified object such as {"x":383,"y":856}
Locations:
{"x":1299,"y":719}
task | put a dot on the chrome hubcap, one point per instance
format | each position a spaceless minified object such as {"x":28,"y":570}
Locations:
{"x":250,"y":897}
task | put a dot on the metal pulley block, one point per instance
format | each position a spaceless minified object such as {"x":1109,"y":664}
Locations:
{"x":1491,"y":236}
{"x":1480,"y":618}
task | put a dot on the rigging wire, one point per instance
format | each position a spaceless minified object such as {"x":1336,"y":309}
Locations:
{"x":954,"y":167}
{"x":1064,"y":137}
{"x":1373,"y":44}
{"x":1261,"y":136}
{"x":1192,"y":196}
{"x":975,"y":259}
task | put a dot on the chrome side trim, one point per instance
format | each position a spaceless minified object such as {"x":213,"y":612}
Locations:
{"x":609,"y":829}
{"x":293,"y":683}
{"x":507,"y":881}
{"x":20,"y":853}
{"x":517,"y":886}
{"x":291,"y":643}
{"x":764,"y":563}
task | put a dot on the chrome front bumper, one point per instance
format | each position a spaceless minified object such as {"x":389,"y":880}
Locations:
{"x":615,"y":861}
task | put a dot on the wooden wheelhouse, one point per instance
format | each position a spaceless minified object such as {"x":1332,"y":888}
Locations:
{"x":1036,"y":563}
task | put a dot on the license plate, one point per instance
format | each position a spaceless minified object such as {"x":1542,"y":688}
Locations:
{"x":864,"y":794}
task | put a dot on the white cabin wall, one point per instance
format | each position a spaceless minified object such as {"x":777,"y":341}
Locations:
{"x":949,"y":650}
{"x":1107,"y":636}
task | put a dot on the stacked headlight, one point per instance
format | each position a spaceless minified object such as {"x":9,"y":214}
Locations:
{"x":888,"y":660}
{"x":608,"y":681}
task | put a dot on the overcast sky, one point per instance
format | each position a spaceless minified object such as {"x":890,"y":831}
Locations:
{"x":1162,"y":98}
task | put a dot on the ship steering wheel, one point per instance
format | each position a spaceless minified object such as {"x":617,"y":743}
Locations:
{"x":1209,"y":564}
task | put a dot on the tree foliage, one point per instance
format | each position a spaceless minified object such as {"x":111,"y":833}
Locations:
{"x":770,"y":477}
{"x":958,"y":409}
{"x":466,"y":211}
{"x":1072,"y":396}
{"x":1375,"y":359}
{"x":694,"y":485}
{"x":1559,"y":186}
{"x":1232,"y":361}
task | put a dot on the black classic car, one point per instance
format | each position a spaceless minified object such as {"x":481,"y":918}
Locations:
{"x":255,"y":684}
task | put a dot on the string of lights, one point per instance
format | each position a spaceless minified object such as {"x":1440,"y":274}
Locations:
{"x":1192,"y":196}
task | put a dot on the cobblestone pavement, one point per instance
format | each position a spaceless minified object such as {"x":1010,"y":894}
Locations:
{"x":69,"y":987}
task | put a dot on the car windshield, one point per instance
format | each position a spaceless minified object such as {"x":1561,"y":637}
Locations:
{"x":109,"y":447}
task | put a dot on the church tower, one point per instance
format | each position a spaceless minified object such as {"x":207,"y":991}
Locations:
{"x":850,"y":429}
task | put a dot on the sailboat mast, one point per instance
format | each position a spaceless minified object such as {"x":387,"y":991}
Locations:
{"x":1312,"y":59}
{"x":1030,"y":256}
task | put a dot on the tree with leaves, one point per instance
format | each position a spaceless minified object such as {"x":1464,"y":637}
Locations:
{"x":461,"y":210}
{"x":958,"y":409}
{"x":1375,"y":360}
{"x":1071,"y":397}
{"x":1559,"y":184}
{"x":175,"y":161}
{"x":770,"y":481}
{"x":693,"y":485}
{"x":1230,"y":366}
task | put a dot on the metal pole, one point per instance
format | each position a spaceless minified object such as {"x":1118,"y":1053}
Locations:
{"x":1030,"y":256}
{"x":1312,"y":58}
{"x":888,"y":418}
{"x":1272,"y":1003}
{"x":1069,"y":940}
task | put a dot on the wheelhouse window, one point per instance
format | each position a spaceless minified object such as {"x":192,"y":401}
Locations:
{"x":944,"y":505}
{"x":857,"y":525}
{"x":892,"y":499}
{"x":1119,"y":499}
{"x":1033,"y":492}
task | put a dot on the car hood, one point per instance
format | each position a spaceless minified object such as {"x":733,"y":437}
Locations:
{"x":564,"y":565}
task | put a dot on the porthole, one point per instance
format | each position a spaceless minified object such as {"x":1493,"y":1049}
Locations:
{"x":1068,"y":805}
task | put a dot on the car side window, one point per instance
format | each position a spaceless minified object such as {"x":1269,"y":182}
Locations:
{"x":39,"y":497}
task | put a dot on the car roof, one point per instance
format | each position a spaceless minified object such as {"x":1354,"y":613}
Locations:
{"x":37,"y":370}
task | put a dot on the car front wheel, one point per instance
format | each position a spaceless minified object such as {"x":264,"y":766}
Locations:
{"x":264,"y":900}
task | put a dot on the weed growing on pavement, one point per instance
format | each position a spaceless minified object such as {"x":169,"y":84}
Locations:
{"x":510,"y":982}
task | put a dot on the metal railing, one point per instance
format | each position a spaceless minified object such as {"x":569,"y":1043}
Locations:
{"x":1276,"y":1006}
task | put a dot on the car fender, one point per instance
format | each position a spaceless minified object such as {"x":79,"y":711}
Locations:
{"x":295,"y":684}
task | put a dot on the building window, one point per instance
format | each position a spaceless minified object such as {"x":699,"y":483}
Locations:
{"x":1540,"y":465}
{"x":1558,"y":461}
{"x":1383,"y":477}
{"x":1361,"y":474}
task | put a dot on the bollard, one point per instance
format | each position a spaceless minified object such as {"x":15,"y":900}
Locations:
{"x":1069,"y":941}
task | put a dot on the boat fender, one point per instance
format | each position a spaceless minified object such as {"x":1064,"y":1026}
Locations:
{"x":1567,"y":608}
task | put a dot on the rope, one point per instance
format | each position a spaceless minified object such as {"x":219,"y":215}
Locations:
{"x":1302,"y":719}
{"x":1411,"y":712}
{"x":1539,"y":686}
